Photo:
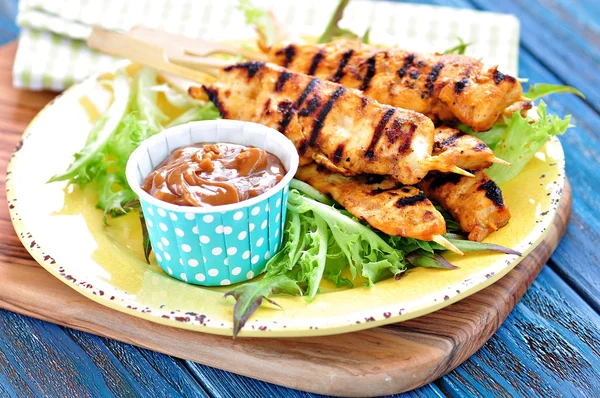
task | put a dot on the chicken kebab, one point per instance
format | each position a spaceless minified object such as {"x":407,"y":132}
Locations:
{"x":445,"y":87}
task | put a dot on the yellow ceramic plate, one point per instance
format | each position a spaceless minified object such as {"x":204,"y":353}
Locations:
{"x":64,"y":232}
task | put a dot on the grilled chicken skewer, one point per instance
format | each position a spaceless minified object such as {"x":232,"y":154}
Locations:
{"x":476,"y":203}
{"x":467,"y":151}
{"x":382,"y":202}
{"x":444,"y":87}
{"x":329,"y":124}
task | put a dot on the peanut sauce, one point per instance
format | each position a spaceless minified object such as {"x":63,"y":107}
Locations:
{"x":214,"y":174}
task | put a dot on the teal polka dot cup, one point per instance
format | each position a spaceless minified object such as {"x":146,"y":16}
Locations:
{"x":219,"y":245}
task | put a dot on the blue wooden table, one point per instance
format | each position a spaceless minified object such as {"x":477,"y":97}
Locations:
{"x":548,"y":346}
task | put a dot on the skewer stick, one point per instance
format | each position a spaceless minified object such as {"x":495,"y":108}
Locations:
{"x":458,"y":170}
{"x":500,"y":161}
{"x":138,"y":51}
{"x":440,"y":240}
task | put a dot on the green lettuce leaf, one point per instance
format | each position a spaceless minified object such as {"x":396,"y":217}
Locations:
{"x":249,"y":297}
{"x":542,"y":89}
{"x":333,"y":30}
{"x":460,"y":48}
{"x":519,"y":140}
{"x":263,"y":22}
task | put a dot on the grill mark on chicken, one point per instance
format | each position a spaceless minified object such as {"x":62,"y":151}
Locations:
{"x":312,"y":106}
{"x":369,"y":74}
{"x":449,"y":142}
{"x":318,"y":124}
{"x":433,"y":75}
{"x":459,"y":86}
{"x":309,"y":88}
{"x":343,"y":62}
{"x":408,"y":61}
{"x":492,"y":192}
{"x":213,"y":96}
{"x":252,"y":67}
{"x":289,"y":52}
{"x":414,"y":74}
{"x":337,"y":155}
{"x":315,"y":62}
{"x":480,"y":147}
{"x":443,"y":179}
{"x":303,"y":147}
{"x":370,"y":152}
{"x":411,"y":200}
{"x":283,"y":77}
{"x":396,"y":132}
{"x":286,"y":109}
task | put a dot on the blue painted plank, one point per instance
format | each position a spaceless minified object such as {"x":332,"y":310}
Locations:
{"x":39,"y":358}
{"x":563,"y":35}
{"x":548,"y":346}
{"x":8,"y":28}
{"x":223,"y":384}
{"x":135,"y":371}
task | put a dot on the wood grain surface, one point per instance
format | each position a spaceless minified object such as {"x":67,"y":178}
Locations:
{"x":382,"y":361}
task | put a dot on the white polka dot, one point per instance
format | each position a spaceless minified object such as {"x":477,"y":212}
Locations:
{"x":204,"y":239}
{"x":149,"y":210}
{"x":162,"y":213}
{"x":208,"y":218}
{"x":204,"y":259}
{"x":225,"y":282}
{"x":173,"y":216}
{"x":231,"y":251}
{"x":193,"y":262}
{"x":264,"y":224}
{"x":183,"y":276}
{"x":167,"y":256}
{"x":246,"y":254}
{"x":195,"y":229}
{"x":276,"y":246}
{"x":190,"y":216}
{"x":227,"y":230}
{"x":250,"y":275}
{"x":278,"y":203}
{"x":150,"y":223}
{"x":255,"y":211}
{"x":213,"y":272}
{"x":251,"y":227}
{"x":165,"y":241}
{"x":236,"y":271}
{"x":267,"y":255}
{"x":226,"y":261}
{"x":216,"y":251}
{"x":200,"y":277}
{"x":277,"y":218}
{"x":219,"y":229}
{"x":163,"y":227}
{"x":186,"y":248}
{"x":277,"y":232}
{"x":242,"y":235}
{"x":169,"y":270}
{"x":181,"y":261}
{"x":158,"y":257}
{"x":254,"y":259}
{"x":238,"y":215}
{"x":259,"y":242}
{"x":160,"y":246}
{"x":179,"y":232}
{"x":267,"y":207}
{"x":285,"y":189}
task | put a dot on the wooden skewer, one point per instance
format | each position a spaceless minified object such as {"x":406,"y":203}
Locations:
{"x":500,"y":161}
{"x":440,"y":240}
{"x":458,"y":170}
{"x":179,"y":45}
{"x":138,"y":51}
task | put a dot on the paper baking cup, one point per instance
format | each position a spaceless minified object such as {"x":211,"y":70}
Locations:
{"x":218,"y":245}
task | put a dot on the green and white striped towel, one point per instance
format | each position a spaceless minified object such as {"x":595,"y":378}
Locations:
{"x":52,"y":53}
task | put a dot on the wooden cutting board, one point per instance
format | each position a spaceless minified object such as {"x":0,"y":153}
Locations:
{"x":384,"y":360}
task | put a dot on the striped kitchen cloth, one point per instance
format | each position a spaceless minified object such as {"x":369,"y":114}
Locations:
{"x":52,"y":53}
